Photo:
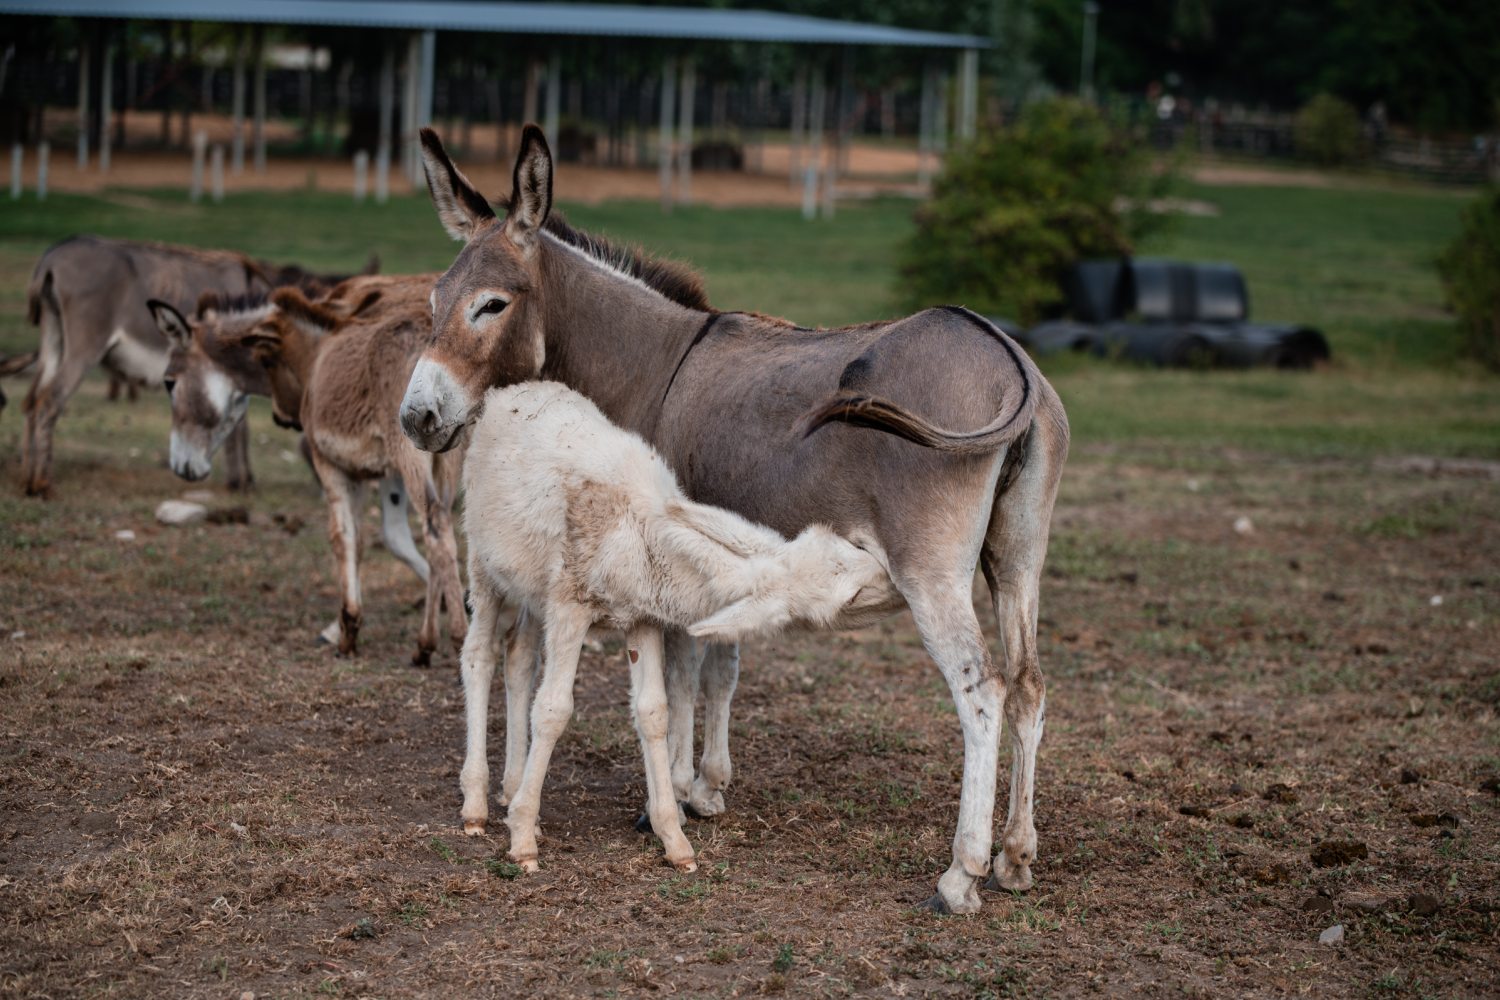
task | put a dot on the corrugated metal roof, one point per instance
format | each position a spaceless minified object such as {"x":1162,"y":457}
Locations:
{"x":511,"y":18}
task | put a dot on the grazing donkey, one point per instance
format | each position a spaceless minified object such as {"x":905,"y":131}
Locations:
{"x":787,"y":426}
{"x":580,"y":522}
{"x":335,"y":369}
{"x":86,"y":294}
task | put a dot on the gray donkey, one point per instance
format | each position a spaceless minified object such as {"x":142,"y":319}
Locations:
{"x":787,"y":426}
{"x":88,"y":294}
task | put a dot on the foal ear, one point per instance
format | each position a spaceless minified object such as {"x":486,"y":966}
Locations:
{"x":743,"y":618}
{"x":171,"y":323}
{"x":310,"y":316}
{"x":531,"y":195}
{"x":460,"y":206}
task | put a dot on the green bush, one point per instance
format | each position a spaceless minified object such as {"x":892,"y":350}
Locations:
{"x":1014,"y":209}
{"x":1327,"y":132}
{"x":1471,"y":278}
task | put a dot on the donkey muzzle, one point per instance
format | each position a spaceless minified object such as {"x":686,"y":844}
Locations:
{"x":434,"y":409}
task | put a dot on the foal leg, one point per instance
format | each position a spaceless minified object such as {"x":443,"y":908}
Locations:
{"x":58,"y":377}
{"x":237,"y":457}
{"x":648,"y":701}
{"x":344,"y":496}
{"x":395,"y":527}
{"x":720,"y":674}
{"x":564,"y":630}
{"x":684,"y":659}
{"x":477,"y":665}
{"x":522,"y":645}
{"x":944,"y":613}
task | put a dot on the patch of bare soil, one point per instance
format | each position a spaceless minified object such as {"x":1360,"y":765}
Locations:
{"x":1254,"y":736}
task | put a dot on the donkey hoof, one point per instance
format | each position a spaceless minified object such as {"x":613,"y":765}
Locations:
{"x":690,"y":865}
{"x":422,"y":657}
{"x":703,"y":804}
{"x":474,"y":828}
{"x":1009,"y":878}
{"x":643,"y":823}
{"x":935,"y":904}
{"x":528,"y":865}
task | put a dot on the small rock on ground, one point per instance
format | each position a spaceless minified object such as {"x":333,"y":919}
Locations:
{"x":178,"y":512}
{"x":1332,"y":935}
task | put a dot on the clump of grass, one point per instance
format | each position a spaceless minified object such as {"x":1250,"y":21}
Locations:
{"x":442,"y":850}
{"x":507,"y":870}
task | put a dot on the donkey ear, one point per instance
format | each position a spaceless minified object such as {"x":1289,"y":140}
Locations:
{"x":460,"y":206}
{"x":369,"y":300}
{"x":171,"y":323}
{"x":531,"y":196}
{"x":743,"y":618}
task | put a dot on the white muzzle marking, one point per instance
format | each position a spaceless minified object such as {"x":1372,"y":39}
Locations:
{"x":434,"y":408}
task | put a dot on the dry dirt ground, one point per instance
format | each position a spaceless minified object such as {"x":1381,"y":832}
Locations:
{"x":1253,"y":737}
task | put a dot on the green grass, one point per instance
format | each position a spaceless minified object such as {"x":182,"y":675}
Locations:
{"x":1354,"y":261}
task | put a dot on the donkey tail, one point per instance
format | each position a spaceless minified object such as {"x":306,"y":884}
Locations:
{"x":867,"y":410}
{"x":36,"y":289}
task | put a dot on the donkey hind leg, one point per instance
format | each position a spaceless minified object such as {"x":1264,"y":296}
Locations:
{"x":345,"y":499}
{"x":522,"y":645}
{"x":684,"y":662}
{"x":59,"y":373}
{"x":477,"y":665}
{"x":1012,"y":556}
{"x":564,"y":629}
{"x":237,"y":456}
{"x":944,"y":614}
{"x":396,"y":529}
{"x":648,"y":699}
{"x":720,"y":675}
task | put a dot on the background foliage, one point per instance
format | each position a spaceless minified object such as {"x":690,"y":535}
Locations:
{"x":1471,"y":277}
{"x":1016,"y":208}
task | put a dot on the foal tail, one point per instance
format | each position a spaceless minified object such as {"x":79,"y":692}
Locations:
{"x":866,"y":410}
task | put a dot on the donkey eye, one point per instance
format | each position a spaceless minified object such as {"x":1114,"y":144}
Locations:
{"x":169,"y":383}
{"x":491,"y":308}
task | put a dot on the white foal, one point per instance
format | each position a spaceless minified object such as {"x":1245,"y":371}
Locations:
{"x":580,"y":522}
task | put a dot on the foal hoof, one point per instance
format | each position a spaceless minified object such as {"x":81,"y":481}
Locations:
{"x":474,"y":828}
{"x":1009,"y":878}
{"x":935,"y":904}
{"x":690,"y":865}
{"x":643,"y":823}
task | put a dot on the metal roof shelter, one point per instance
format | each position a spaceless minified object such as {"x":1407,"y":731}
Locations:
{"x":511,"y":18}
{"x":424,"y":19}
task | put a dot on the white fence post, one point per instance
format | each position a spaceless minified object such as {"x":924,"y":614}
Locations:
{"x":216,"y":172}
{"x":43,"y":155}
{"x":200,"y":149}
{"x":361,"y":174}
{"x":382,"y":175}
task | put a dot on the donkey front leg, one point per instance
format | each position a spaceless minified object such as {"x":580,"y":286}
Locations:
{"x":564,"y":630}
{"x":344,"y":496}
{"x":684,"y":662}
{"x":720,"y":674}
{"x":478,"y":661}
{"x":648,"y":702}
{"x":945,"y":618}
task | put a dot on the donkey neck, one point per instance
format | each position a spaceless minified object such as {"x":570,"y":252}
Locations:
{"x":610,"y":336}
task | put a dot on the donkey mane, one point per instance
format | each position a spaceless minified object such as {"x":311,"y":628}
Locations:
{"x":244,"y":302}
{"x":671,"y":278}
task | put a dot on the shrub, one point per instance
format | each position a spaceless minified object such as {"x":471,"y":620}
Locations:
{"x":1327,"y":131}
{"x":1470,"y":268}
{"x":1017,"y":207}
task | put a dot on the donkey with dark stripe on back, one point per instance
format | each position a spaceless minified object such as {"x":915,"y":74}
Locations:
{"x":788,"y":427}
{"x":335,"y":369}
{"x":87,"y":295}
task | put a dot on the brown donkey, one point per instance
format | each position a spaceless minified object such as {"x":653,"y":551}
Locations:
{"x":336,"y":369}
{"x":735,"y":403}
{"x":86,"y":295}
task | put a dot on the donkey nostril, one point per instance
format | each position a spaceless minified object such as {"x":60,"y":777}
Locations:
{"x":429,"y":421}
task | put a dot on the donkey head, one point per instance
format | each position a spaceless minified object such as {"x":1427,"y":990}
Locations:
{"x":486,"y":315}
{"x":209,"y":391}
